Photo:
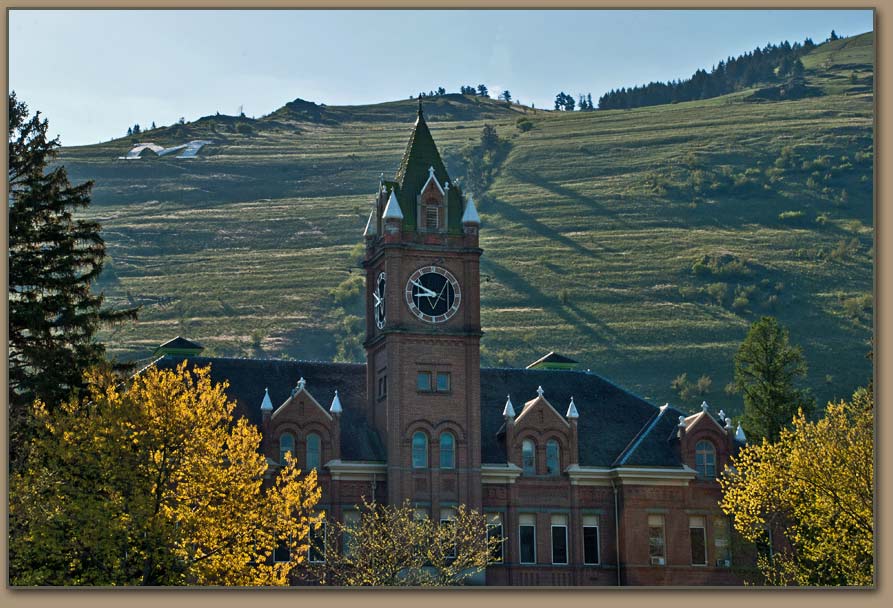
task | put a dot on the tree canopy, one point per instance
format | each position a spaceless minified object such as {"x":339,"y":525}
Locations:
{"x":53,"y":260}
{"x":391,"y":545}
{"x":816,"y":486}
{"x":766,"y":367}
{"x":153,"y":483}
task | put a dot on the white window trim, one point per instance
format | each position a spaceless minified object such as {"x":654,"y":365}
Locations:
{"x":502,"y":540}
{"x":598,"y":548}
{"x":521,"y":544}
{"x":310,"y":546}
{"x":566,"y":547}
{"x":704,"y":529}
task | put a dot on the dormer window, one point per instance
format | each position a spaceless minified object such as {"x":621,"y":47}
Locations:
{"x":432,"y":223}
{"x":705,"y":459}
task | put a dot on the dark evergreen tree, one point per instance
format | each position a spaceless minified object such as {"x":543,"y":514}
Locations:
{"x":833,"y":36}
{"x":154,"y":127}
{"x":482,"y":91}
{"x":136,"y":129}
{"x":506,"y":96}
{"x":441,"y":91}
{"x":766,"y":366}
{"x":130,"y":130}
{"x":589,"y":101}
{"x":53,"y":259}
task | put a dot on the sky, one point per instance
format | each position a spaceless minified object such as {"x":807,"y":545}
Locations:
{"x":93,"y":73}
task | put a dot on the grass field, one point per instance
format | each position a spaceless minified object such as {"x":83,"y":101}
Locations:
{"x":641,"y":242}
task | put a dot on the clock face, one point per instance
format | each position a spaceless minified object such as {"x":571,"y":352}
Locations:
{"x":378,"y":296}
{"x":433,"y":294}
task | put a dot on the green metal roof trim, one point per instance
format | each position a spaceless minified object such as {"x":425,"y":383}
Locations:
{"x":421,"y":153}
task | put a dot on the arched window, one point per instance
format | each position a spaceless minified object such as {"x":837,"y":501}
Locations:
{"x":705,"y":459}
{"x":553,"y":466}
{"x":314,"y":450}
{"x":419,"y":450}
{"x":286,"y":444}
{"x":528,"y":457}
{"x":447,"y":451}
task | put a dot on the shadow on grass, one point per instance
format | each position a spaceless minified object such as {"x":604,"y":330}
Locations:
{"x":513,"y":214}
{"x":584,"y":322}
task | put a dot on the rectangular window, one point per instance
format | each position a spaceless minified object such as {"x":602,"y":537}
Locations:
{"x":590,"y":539}
{"x":527,"y":538}
{"x":443,"y":382}
{"x":657,"y":550}
{"x":431,"y":218}
{"x":382,"y":386}
{"x":697,"y":531}
{"x":423,"y":381}
{"x":316,"y":553}
{"x":448,"y":520}
{"x":559,"y":539}
{"x":721,"y":542}
{"x":351,"y":522}
{"x":494,"y":537}
{"x":282,"y":554}
{"x":420,"y":513}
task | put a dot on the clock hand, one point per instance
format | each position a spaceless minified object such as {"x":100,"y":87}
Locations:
{"x":427,"y":291}
{"x":377,"y":299}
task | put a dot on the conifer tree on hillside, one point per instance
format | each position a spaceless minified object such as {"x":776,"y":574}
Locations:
{"x":766,"y":368}
{"x":53,"y":259}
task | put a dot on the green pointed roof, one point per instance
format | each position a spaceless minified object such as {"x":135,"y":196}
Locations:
{"x":421,"y":154}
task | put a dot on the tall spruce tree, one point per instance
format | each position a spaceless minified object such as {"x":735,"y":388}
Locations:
{"x":766,"y":366}
{"x":53,"y":259}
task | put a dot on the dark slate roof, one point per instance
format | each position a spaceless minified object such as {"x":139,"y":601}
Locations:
{"x":613,"y":422}
{"x":610,"y":417}
{"x":180,"y":342}
{"x":421,"y":153}
{"x":552,"y":357}
{"x":249,"y":377}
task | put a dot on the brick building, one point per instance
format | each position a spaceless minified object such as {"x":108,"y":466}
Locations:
{"x":589,"y":484}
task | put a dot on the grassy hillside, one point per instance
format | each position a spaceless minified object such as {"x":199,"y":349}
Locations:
{"x":641,"y":242}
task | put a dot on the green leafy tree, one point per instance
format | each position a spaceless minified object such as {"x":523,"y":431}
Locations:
{"x":391,"y":545}
{"x":53,"y":260}
{"x":154,"y":483}
{"x":766,"y":367}
{"x":815,"y":486}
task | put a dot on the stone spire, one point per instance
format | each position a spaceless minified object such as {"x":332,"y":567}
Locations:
{"x":509,"y":411}
{"x":266,"y":405}
{"x":392,"y":209}
{"x":572,"y":413}
{"x":336,"y":405}
{"x":470,"y":216}
{"x":739,"y":434}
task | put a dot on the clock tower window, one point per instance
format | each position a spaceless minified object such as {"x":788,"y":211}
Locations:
{"x":432,"y":218}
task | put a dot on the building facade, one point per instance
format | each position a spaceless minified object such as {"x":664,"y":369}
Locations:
{"x":587,"y":483}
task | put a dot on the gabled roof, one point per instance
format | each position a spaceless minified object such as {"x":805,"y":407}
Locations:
{"x":180,"y":342}
{"x":539,"y":401}
{"x":301,"y":390}
{"x":553,"y":358}
{"x":611,"y":418}
{"x":249,"y":377}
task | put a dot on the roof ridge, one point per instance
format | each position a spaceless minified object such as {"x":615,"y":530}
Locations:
{"x":639,"y":437}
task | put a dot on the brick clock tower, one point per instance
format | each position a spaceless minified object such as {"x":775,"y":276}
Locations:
{"x":423,"y":332}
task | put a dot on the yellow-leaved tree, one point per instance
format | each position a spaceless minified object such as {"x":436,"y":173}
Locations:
{"x":816,"y":486}
{"x":153,"y":483}
{"x":393,"y":545}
